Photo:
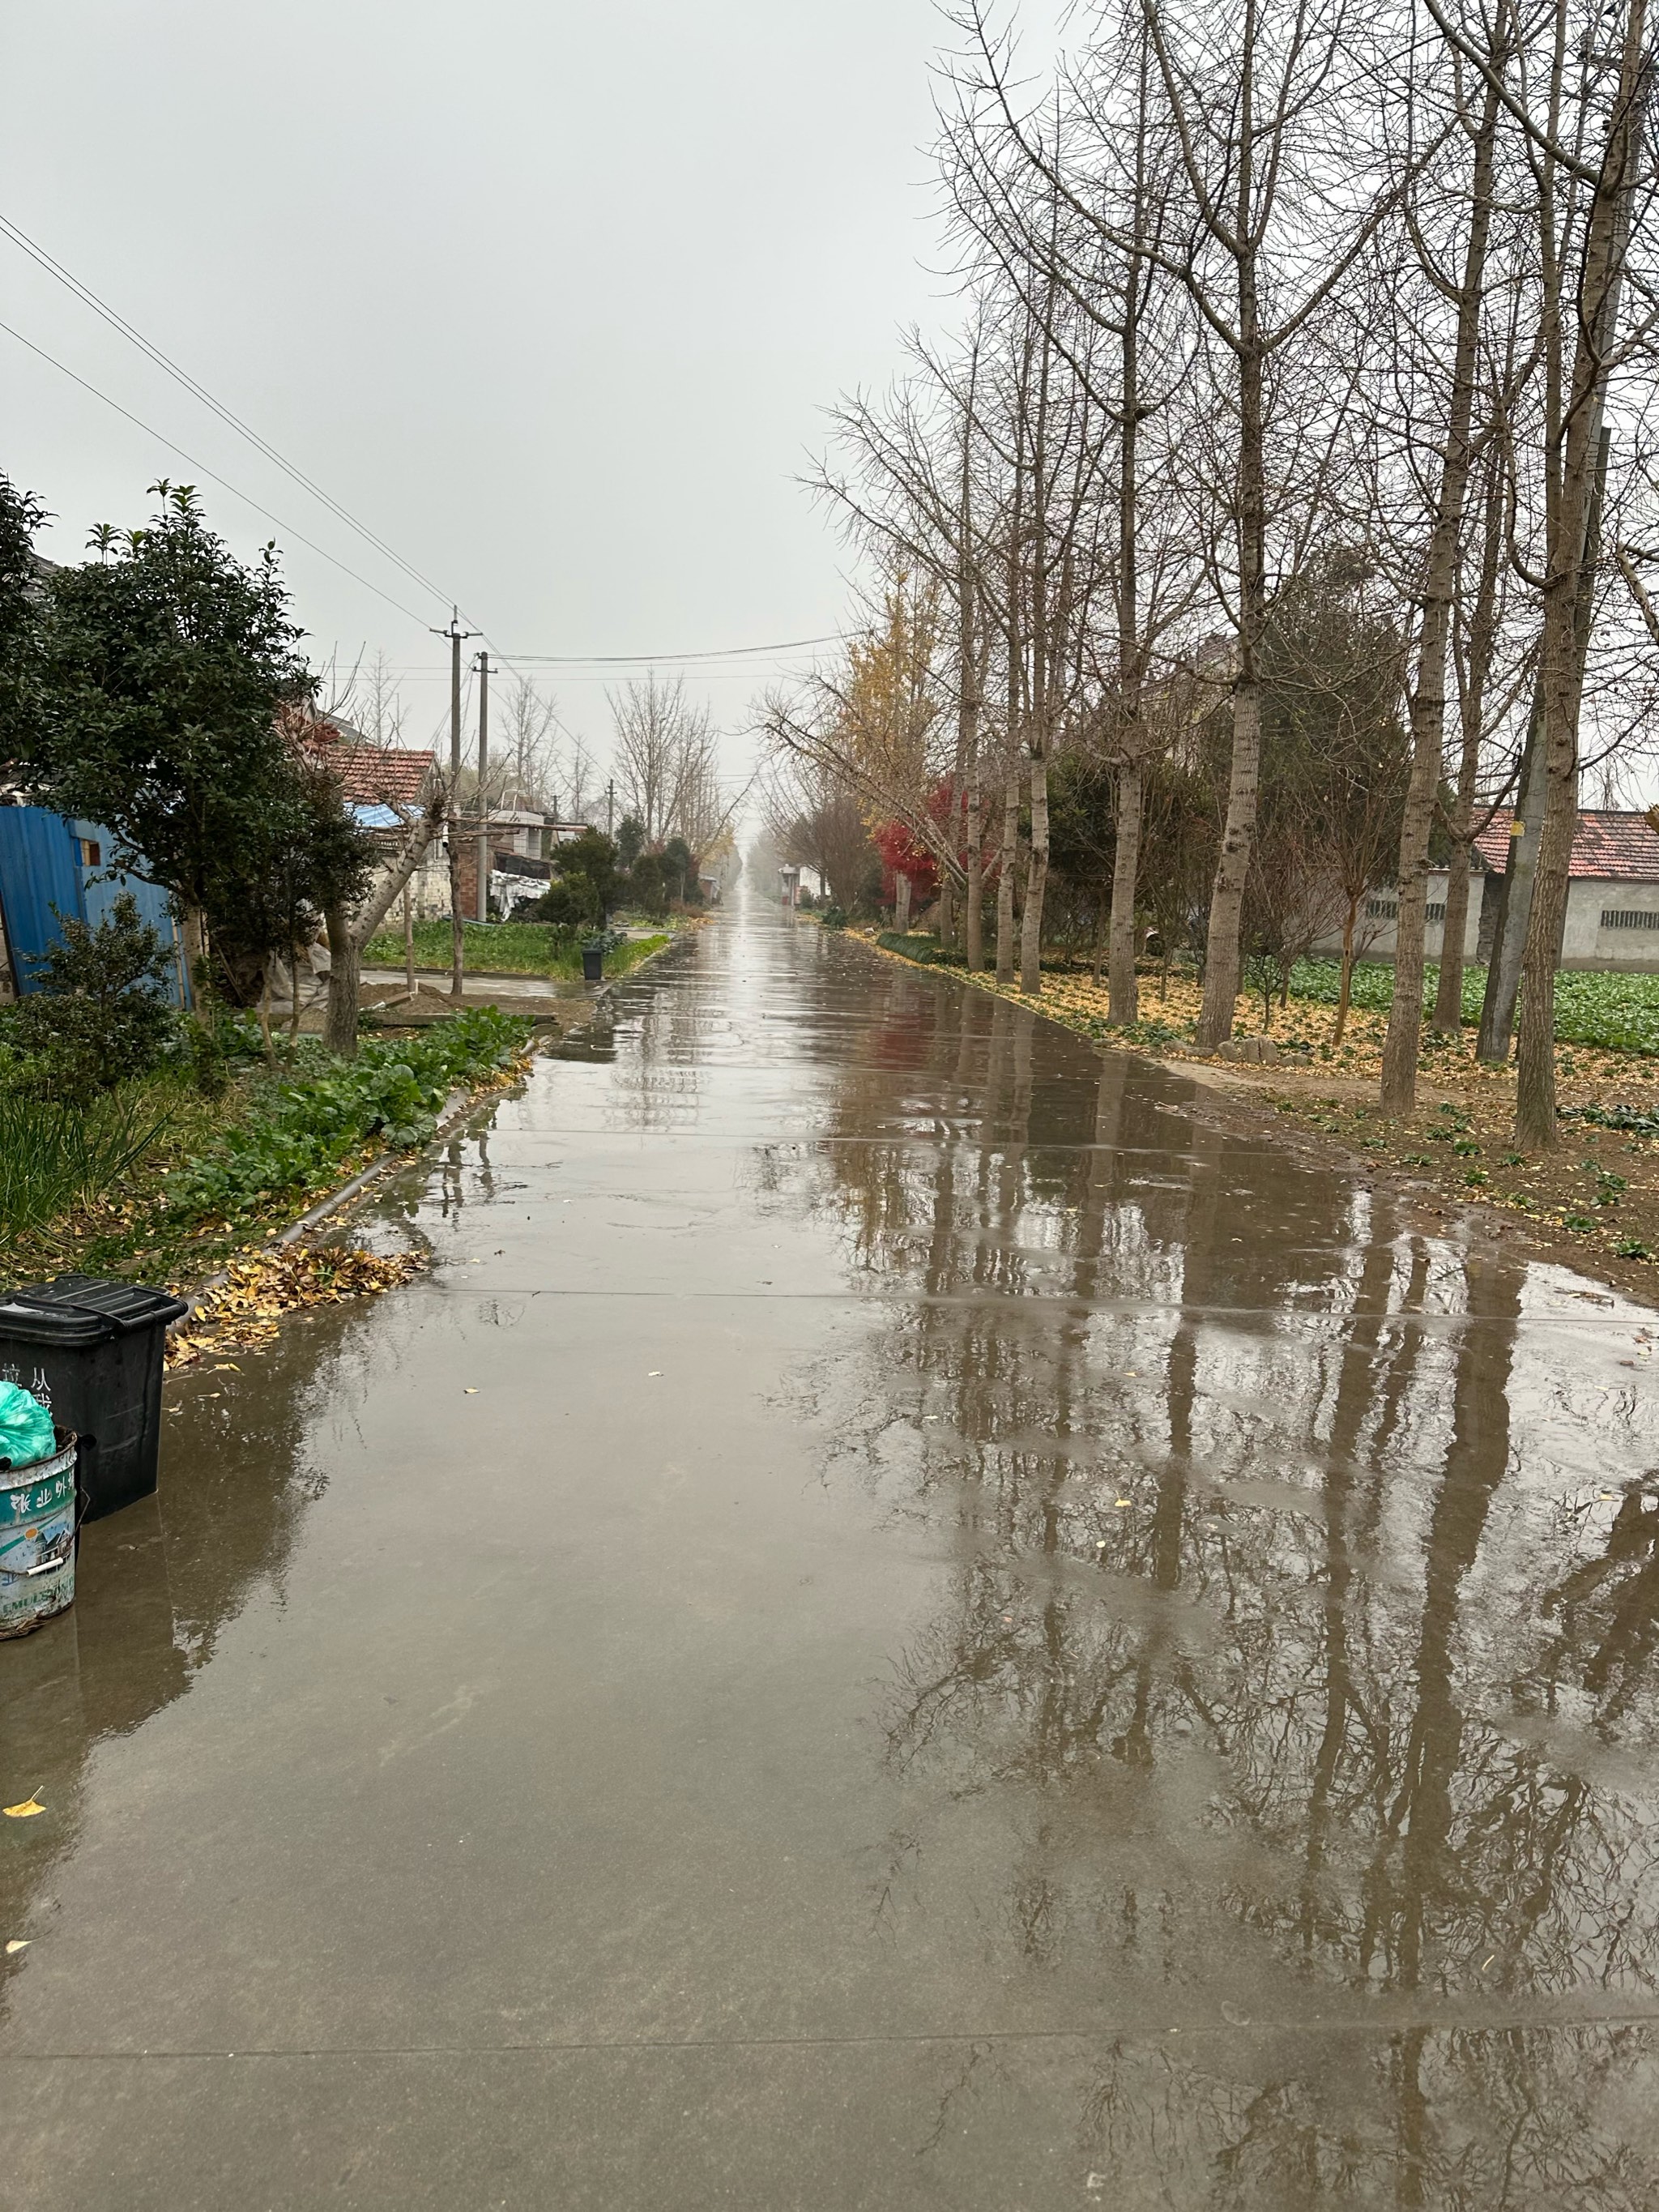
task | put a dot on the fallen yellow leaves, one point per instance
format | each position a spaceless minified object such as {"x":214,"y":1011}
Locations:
{"x":25,"y":1811}
{"x":257,"y":1290}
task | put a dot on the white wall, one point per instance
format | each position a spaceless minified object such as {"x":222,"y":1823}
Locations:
{"x":1374,"y":938}
{"x":1585,"y":944}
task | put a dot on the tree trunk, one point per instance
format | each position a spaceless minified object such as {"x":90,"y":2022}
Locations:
{"x":1221,"y":959}
{"x":1005,"y":879}
{"x":1565,"y":643}
{"x":1483,"y":625}
{"x":1498,"y":1004}
{"x":1402,"y":1045}
{"x":1570,"y":548}
{"x":1344,"y":988}
{"x":1448,"y":985}
{"x":348,"y":934}
{"x":974,"y":931}
{"x":900,"y":902}
{"x":457,"y":924}
{"x":947,"y":927}
{"x":344,"y":984}
{"x":1526,"y":852}
{"x":409,"y":942}
{"x":1122,"y":998}
{"x":195,"y":948}
{"x":1036,"y":881}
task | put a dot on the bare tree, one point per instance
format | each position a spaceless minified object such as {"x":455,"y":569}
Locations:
{"x":524,"y":763}
{"x":1459,"y":208}
{"x":1581,"y":337}
{"x":664,"y":756}
{"x":1280,"y":193}
{"x":814,"y":819}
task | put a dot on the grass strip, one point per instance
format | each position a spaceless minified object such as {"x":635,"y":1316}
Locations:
{"x":507,"y":948}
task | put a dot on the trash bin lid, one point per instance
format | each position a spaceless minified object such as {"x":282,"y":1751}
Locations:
{"x":111,"y":1309}
{"x":24,"y":1319}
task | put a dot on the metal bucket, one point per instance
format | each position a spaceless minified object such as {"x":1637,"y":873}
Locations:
{"x":37,"y":1539}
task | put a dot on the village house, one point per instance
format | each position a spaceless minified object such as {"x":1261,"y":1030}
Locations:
{"x":1612,"y":898}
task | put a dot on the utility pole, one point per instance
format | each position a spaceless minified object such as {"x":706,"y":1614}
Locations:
{"x":611,"y":808}
{"x":457,"y":637}
{"x":483,"y":795}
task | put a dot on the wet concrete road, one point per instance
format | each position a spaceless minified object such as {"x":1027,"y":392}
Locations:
{"x":977,"y":1643}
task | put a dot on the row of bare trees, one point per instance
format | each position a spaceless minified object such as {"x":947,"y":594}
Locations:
{"x":1272,"y":315}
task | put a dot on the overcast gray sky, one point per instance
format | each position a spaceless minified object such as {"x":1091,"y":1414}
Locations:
{"x":547,"y":294}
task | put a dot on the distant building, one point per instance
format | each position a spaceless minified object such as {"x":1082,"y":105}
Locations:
{"x":1612,"y":894}
{"x":1612,"y":898}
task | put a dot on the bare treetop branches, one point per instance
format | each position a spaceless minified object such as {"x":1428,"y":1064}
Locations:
{"x":1292,"y":326}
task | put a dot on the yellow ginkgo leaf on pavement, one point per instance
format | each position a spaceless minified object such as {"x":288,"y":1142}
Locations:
{"x":25,"y":1811}
{"x":17,"y":1943}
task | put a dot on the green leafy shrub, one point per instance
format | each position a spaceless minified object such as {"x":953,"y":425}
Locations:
{"x":204,"y":1056}
{"x":97,"y":1017}
{"x":299,"y":1126}
{"x":1634,"y":1121}
{"x":1617,"y":1013}
{"x":925,"y":950}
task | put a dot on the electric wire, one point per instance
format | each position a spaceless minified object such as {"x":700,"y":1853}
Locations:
{"x":84,"y":292}
{"x":673,"y":660}
{"x":224,"y":482}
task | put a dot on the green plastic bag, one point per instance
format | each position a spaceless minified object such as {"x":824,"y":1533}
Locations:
{"x":26,"y":1430}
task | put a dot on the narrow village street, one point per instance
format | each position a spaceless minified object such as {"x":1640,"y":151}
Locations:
{"x":907,"y":1617}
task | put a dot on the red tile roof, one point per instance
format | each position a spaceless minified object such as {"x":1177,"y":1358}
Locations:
{"x":375,"y":776}
{"x":369,"y":774}
{"x":1611,"y":846}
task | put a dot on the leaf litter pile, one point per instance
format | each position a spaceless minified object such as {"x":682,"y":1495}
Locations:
{"x":244,"y":1310}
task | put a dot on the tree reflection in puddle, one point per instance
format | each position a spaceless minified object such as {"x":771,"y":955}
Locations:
{"x":1293,"y":1665}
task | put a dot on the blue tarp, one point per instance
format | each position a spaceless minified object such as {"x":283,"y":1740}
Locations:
{"x":46,"y":862}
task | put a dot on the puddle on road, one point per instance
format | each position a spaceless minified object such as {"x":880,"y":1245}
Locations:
{"x":1297,"y":1647}
{"x":1283,"y":1673}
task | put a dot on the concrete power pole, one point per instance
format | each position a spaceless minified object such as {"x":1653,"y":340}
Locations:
{"x":483,"y":793}
{"x":457,"y":636}
{"x":611,"y":808}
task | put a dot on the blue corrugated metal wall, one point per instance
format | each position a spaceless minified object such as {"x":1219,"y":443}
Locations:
{"x":100,"y":890}
{"x":47,"y":862}
{"x":40,"y":870}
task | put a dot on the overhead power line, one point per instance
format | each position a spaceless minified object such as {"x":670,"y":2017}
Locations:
{"x":676,"y":659}
{"x":224,"y":482}
{"x":567,"y":662}
{"x":116,"y":321}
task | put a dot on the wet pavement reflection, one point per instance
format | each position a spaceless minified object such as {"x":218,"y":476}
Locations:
{"x":907,"y":1617}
